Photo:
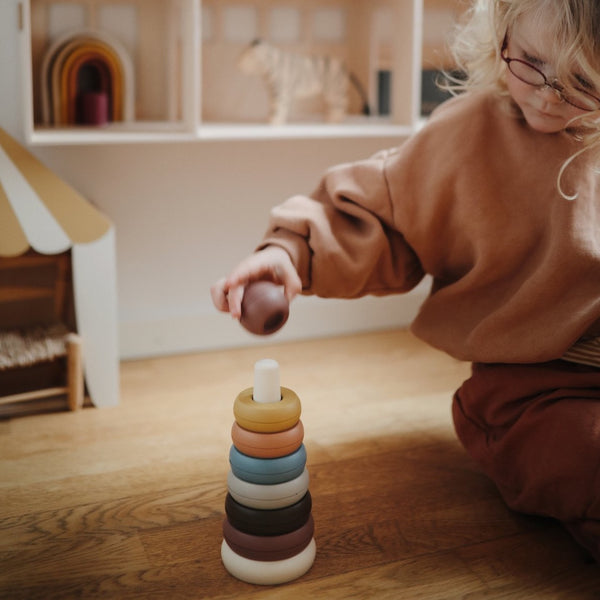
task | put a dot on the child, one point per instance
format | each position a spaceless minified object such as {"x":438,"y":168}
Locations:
{"x":498,"y":199}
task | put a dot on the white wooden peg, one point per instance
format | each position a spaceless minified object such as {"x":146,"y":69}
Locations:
{"x":267,"y":386}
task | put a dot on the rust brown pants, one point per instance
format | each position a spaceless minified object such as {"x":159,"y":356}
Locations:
{"x":535,"y":431}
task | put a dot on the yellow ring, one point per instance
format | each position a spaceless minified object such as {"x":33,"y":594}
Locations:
{"x":267,"y":417}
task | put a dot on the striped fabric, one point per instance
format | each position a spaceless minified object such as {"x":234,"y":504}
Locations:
{"x":27,"y":347}
{"x":584,"y":352}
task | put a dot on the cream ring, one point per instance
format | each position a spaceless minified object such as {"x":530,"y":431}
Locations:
{"x":267,"y":497}
{"x":267,"y":417}
{"x":268,"y":572}
{"x":267,"y":445}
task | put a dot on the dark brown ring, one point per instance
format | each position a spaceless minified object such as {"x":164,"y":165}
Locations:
{"x":278,"y":521}
{"x":271,"y":547}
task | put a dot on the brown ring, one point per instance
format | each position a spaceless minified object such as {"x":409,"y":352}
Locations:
{"x":268,"y":548}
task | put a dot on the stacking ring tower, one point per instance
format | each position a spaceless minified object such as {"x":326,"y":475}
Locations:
{"x":268,"y":531}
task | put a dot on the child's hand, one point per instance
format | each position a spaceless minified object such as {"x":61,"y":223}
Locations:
{"x":272,"y":263}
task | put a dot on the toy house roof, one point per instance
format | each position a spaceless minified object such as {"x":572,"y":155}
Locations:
{"x":38,"y":209}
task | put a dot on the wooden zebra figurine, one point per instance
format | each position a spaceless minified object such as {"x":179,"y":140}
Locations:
{"x":290,"y":75}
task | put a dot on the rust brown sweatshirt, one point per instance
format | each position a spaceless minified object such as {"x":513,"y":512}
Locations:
{"x":472,"y":200}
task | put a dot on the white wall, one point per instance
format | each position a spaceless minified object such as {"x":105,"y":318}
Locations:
{"x":185,"y":213}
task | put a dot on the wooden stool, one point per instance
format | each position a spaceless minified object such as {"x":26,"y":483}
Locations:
{"x":37,"y":325}
{"x":28,"y":347}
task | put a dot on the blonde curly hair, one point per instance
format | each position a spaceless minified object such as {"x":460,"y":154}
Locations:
{"x":575,"y":24}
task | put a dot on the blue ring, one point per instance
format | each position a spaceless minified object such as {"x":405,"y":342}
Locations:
{"x":267,"y":471}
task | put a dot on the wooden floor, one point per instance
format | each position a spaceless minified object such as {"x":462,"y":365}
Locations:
{"x":128,"y":502}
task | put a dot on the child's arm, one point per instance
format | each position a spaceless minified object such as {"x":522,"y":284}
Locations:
{"x":341,"y":241}
{"x":272,"y":263}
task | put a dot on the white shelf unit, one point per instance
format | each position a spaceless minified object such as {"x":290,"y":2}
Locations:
{"x":184,"y":83}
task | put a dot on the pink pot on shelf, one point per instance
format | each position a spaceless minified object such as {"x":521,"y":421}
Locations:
{"x":94,"y":108}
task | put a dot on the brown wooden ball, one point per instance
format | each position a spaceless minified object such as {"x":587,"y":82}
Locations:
{"x":265,"y":309}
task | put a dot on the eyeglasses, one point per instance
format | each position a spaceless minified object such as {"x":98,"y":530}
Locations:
{"x":531,"y":75}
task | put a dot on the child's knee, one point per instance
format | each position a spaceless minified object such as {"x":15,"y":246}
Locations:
{"x":544,"y":459}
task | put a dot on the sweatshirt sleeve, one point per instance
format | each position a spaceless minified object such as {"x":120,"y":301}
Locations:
{"x":342,"y":238}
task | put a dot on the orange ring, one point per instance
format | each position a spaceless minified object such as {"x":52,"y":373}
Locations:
{"x":267,"y":445}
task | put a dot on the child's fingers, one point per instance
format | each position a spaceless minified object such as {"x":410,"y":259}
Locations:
{"x":249,"y":269}
{"x":227,"y":298}
{"x":219,"y":295}
{"x":292,"y":284}
{"x":272,"y":264}
{"x":234,"y":298}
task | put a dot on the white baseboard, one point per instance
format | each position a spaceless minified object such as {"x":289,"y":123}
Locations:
{"x":310,"y":317}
